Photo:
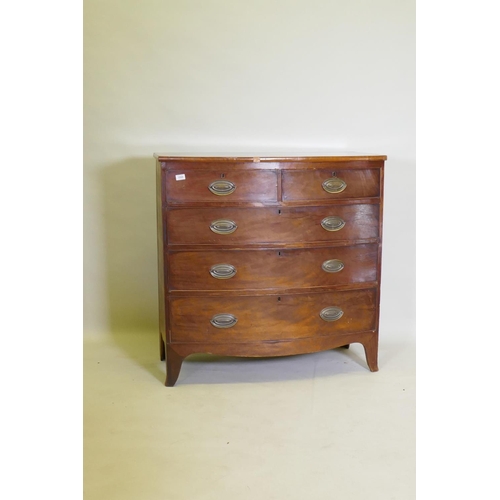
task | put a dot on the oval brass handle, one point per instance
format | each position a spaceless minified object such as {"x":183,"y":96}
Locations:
{"x":224,"y":320}
{"x":223,"y":226}
{"x":332,"y":223}
{"x":332,"y":266}
{"x":332,"y":313}
{"x":222,"y":187}
{"x":223,"y":271}
{"x":334,"y":185}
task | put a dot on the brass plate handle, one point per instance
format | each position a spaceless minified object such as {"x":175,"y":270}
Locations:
{"x":332,"y":223}
{"x":332,"y":266}
{"x":332,"y":313}
{"x":224,"y":320}
{"x":334,"y":185}
{"x":223,"y":271}
{"x":222,"y":187}
{"x":223,"y":226}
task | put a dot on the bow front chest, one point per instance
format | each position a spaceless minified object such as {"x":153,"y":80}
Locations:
{"x":268,"y":255}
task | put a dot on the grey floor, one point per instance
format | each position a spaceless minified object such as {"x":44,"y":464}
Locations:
{"x":316,"y":427}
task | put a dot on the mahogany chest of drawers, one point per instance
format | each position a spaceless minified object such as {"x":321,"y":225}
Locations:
{"x":268,"y":256}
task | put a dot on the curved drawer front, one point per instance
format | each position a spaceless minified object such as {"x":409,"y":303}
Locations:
{"x":191,"y":226}
{"x":201,"y":186}
{"x":330,"y":184}
{"x":271,"y":317}
{"x":260,"y":269}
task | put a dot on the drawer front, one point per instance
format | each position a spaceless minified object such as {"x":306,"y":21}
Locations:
{"x":190,"y":186}
{"x":326,"y":184}
{"x":237,"y":226}
{"x":261,"y":269}
{"x":243,"y":319}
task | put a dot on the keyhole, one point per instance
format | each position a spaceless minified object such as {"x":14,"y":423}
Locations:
{"x":334,"y":174}
{"x":279,"y":299}
{"x":279,"y":253}
{"x":222,"y":176}
{"x":279,"y":212}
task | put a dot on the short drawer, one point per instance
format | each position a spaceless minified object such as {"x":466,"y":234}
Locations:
{"x":327,"y":184}
{"x":271,"y":317}
{"x":263,"y":269}
{"x":238,"y":226}
{"x":190,"y":186}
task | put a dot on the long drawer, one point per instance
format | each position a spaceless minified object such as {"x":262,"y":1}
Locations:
{"x":237,"y":226}
{"x":280,"y":268}
{"x":244,"y":319}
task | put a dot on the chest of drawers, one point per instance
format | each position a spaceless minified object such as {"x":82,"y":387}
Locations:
{"x":268,"y":255}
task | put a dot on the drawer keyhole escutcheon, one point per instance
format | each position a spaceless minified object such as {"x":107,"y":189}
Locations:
{"x":223,"y":320}
{"x":333,"y":223}
{"x":334,"y":184}
{"x":332,"y":266}
{"x":222,"y":187}
{"x":222,"y":271}
{"x":332,"y":313}
{"x":223,"y":226}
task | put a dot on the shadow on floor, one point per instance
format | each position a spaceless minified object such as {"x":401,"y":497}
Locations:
{"x":208,"y":369}
{"x":129,"y":202}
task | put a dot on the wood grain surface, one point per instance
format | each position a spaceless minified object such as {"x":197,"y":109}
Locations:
{"x":305,"y":185}
{"x":271,"y":225}
{"x":270,"y":317}
{"x":251,"y":185}
{"x":272,"y":269}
